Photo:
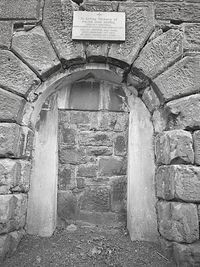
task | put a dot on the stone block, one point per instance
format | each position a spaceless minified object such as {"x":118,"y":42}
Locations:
{"x":11,"y":106}
{"x":196,"y":138}
{"x":96,"y":199}
{"x":19,"y":218}
{"x":19,"y":9}
{"x":15,"y":75}
{"x":7,"y":210}
{"x":111,"y":166}
{"x":67,"y":136}
{"x":58,"y":27}
{"x":95,"y":139}
{"x":178,"y":182}
{"x":178,"y":221}
{"x":118,"y":194}
{"x":174,"y":146}
{"x":24,"y":179}
{"x":26,"y":140}
{"x":6,"y":30}
{"x":117,"y":100}
{"x":177,"y":12}
{"x":72,"y":156}
{"x":66,"y":177}
{"x":5,"y":242}
{"x":158,"y":54}
{"x":15,"y":238}
{"x":159,"y":120}
{"x":187,"y":255}
{"x":35,"y":48}
{"x":181,"y":79}
{"x":99,"y":151}
{"x":150,"y":99}
{"x":192,"y":36}
{"x":120,"y":145}
{"x":67,"y":205}
{"x":139,"y":26}
{"x":184,"y":113}
{"x":166,"y":247}
{"x":87,"y":171}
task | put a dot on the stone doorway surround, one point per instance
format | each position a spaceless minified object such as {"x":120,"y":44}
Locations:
{"x":159,"y":64}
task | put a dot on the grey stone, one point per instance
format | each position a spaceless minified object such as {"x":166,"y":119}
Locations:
{"x":72,"y":156}
{"x":159,"y":120}
{"x":177,"y":11}
{"x":150,"y":99}
{"x":99,"y":151}
{"x":95,"y":139}
{"x":67,"y":205}
{"x":6,"y":30}
{"x":120,"y":145}
{"x":24,"y":179}
{"x":35,"y":48}
{"x":67,"y":136}
{"x":139,"y":25}
{"x":166,"y":247}
{"x":178,"y":182}
{"x":192,"y":36}
{"x":112,"y":167}
{"x":19,"y":9}
{"x":71,"y":228}
{"x":187,"y":255}
{"x":11,"y":106}
{"x":15,"y":75}
{"x":88,"y":171}
{"x":196,"y":138}
{"x":184,"y":113}
{"x":15,"y":238}
{"x":174,"y":147}
{"x":157,"y":55}
{"x":66,"y":177}
{"x":59,"y":27}
{"x":118,"y":194}
{"x":181,"y":79}
{"x":5,"y":241}
{"x":178,"y":221}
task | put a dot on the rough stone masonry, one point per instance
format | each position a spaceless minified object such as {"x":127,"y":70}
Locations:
{"x":160,"y":59}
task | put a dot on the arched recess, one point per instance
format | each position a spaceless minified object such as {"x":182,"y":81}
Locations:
{"x":141,"y":200}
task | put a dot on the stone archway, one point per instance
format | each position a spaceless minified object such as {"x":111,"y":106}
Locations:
{"x":158,"y":59}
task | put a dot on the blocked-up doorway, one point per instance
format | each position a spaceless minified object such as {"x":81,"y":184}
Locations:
{"x":92,"y":152}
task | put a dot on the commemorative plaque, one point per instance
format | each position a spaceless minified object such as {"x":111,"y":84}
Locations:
{"x":105,"y":26}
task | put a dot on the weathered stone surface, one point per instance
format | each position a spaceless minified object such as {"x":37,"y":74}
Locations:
{"x":19,"y":9}
{"x":19,"y":216}
{"x":112,"y":121}
{"x":11,"y":106}
{"x":181,"y":79}
{"x":139,"y":25}
{"x":66,"y":177}
{"x":95,"y":139}
{"x":88,"y":171}
{"x":5,"y":241}
{"x":150,"y":99}
{"x":118,"y":194}
{"x":178,"y":221}
{"x":26,"y":140}
{"x":99,"y":151}
{"x":67,"y":205}
{"x":159,"y":120}
{"x":120,"y":145}
{"x":15,"y":75}
{"x":67,"y":136}
{"x":187,"y":255}
{"x":72,"y":156}
{"x":59,"y":27}
{"x":196,"y":138}
{"x":96,"y":199}
{"x":112,"y":166}
{"x":177,"y":11}
{"x":174,"y":147}
{"x":184,"y":113}
{"x":35,"y":48}
{"x":192,"y":36}
{"x":157,"y":55}
{"x":178,"y":182}
{"x":166,"y":247}
{"x":15,"y":238}
{"x":5,"y":34}
{"x":24,"y":179}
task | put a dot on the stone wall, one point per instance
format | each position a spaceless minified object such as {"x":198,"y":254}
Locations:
{"x":160,"y":58}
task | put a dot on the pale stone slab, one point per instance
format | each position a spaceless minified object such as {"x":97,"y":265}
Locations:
{"x":139,"y":25}
{"x":150,"y":99}
{"x":174,"y":147}
{"x":6,"y":30}
{"x":192,"y":36}
{"x":35,"y":48}
{"x":157,"y":55}
{"x":181,"y":79}
{"x":178,"y":182}
{"x":15,"y":75}
{"x":178,"y":221}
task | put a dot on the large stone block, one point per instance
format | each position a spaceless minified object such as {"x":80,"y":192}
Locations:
{"x":72,"y":156}
{"x":11,"y":106}
{"x":157,"y":55}
{"x":139,"y":25}
{"x":66,"y":177}
{"x":5,"y":34}
{"x":178,"y":182}
{"x":178,"y":221}
{"x":35,"y":48}
{"x":112,"y":121}
{"x":181,"y":79}
{"x":120,"y":145}
{"x":111,"y":166}
{"x":5,"y":242}
{"x":187,"y":255}
{"x":184,"y":113}
{"x":192,"y":36}
{"x":67,"y":205}
{"x":174,"y":147}
{"x":150,"y":99}
{"x":15,"y":75}
{"x":88,"y":171}
{"x":15,"y":238}
{"x":19,"y":9}
{"x":99,"y":151}
{"x":95,"y":139}
{"x":19,"y":217}
{"x":196,"y":138}
{"x":59,"y":26}
{"x":7,"y":210}
{"x":118,"y":194}
{"x":177,"y":11}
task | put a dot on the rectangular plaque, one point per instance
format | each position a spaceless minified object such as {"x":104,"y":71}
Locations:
{"x":107,"y":26}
